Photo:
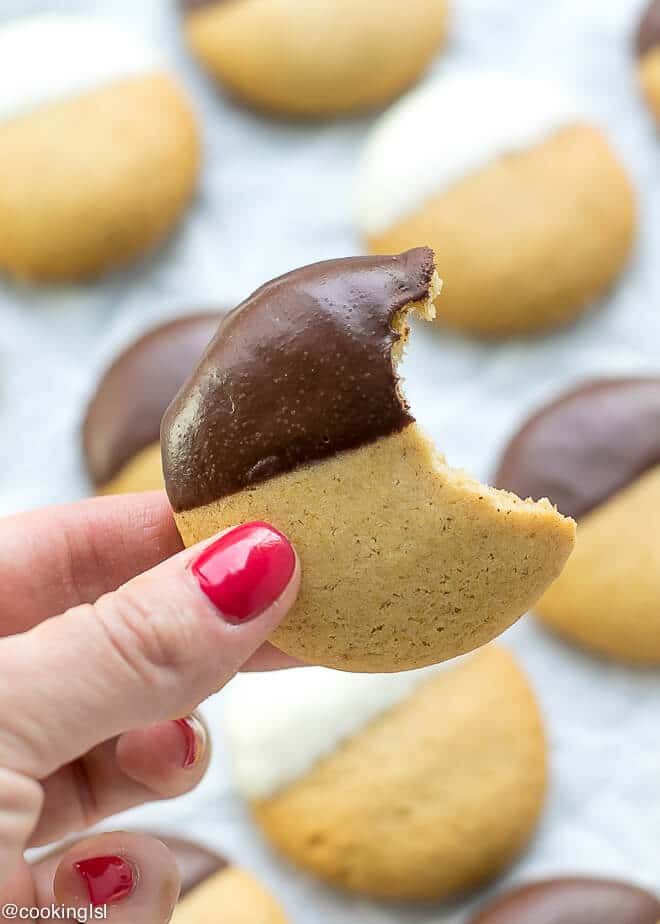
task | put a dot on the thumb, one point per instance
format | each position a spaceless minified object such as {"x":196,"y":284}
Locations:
{"x":148,"y":652}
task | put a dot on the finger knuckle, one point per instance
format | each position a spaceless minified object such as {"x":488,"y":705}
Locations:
{"x":21,"y":800}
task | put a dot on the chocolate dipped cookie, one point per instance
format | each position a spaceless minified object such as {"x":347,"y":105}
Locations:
{"x":595,"y":452}
{"x":314,"y":59}
{"x":121,"y":429}
{"x":648,"y":57}
{"x":295,"y":415}
{"x":528,"y":204}
{"x":99,"y":151}
{"x":573,"y":900}
{"x":393,"y":785}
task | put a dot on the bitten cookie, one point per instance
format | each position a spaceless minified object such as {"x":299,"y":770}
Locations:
{"x":573,"y":901}
{"x":393,"y":785}
{"x":315,"y":59}
{"x":121,"y":429}
{"x":212,"y":892}
{"x":530,"y":208}
{"x":99,"y":151}
{"x":648,"y":57}
{"x":295,"y":416}
{"x":595,"y":452}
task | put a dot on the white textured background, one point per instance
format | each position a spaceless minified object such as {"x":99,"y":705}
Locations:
{"x":274,"y":196}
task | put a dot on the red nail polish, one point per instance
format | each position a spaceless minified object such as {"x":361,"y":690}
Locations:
{"x":108,"y":879}
{"x":246,"y":570}
{"x":194,"y":737}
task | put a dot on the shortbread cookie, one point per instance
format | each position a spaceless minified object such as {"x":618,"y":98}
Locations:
{"x":595,"y":452}
{"x":99,"y":150}
{"x":525,"y":201}
{"x":416,"y":786}
{"x":317,"y":58}
{"x":648,"y":57}
{"x":573,"y":901}
{"x":295,"y":416}
{"x":212,"y":892}
{"x":121,"y":430}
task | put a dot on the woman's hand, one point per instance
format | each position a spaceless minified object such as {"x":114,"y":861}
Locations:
{"x":100,"y":671}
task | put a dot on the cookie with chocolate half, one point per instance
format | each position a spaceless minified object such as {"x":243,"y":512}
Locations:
{"x":392,"y":785}
{"x":99,"y":151}
{"x":314,"y":59}
{"x":573,"y":900}
{"x":648,"y":56}
{"x":121,"y":430}
{"x":595,"y":453}
{"x":295,"y":416}
{"x":528,"y":204}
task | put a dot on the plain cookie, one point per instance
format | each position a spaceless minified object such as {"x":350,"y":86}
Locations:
{"x":295,"y":416}
{"x":411,"y":786}
{"x":315,"y":58}
{"x":648,"y":57}
{"x":595,"y":452}
{"x":99,"y":152}
{"x":528,"y":205}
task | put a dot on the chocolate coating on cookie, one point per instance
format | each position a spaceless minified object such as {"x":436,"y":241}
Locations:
{"x":189,"y":6}
{"x":648,"y":35}
{"x":196,"y":863}
{"x":300,"y":371}
{"x":124,"y":415}
{"x":573,"y":901}
{"x":586,"y":446}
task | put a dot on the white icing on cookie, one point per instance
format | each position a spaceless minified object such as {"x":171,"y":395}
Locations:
{"x":447,"y":129}
{"x":48,"y":58}
{"x":280,"y":724}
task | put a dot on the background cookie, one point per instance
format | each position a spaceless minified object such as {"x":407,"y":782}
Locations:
{"x":595,"y":452}
{"x":405,"y":561}
{"x":648,"y":56}
{"x":573,"y":901}
{"x":393,"y":785}
{"x":121,"y":430}
{"x":526,"y":204}
{"x":104,"y":135}
{"x":314,"y":59}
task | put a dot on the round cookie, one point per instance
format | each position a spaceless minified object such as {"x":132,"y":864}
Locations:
{"x":295,"y":416}
{"x":595,"y":452}
{"x":648,"y":57}
{"x":121,"y":430}
{"x":314,"y":59}
{"x":524,"y":200}
{"x":393,"y":785}
{"x":99,"y":151}
{"x":573,"y":900}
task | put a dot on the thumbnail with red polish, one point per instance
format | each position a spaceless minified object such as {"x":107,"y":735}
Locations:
{"x":108,"y":879}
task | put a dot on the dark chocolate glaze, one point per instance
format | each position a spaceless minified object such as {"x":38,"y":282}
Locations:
{"x":196,"y":863}
{"x":573,"y":901}
{"x":648,"y":35}
{"x":300,"y":371}
{"x":587,"y":445}
{"x":124,"y":415}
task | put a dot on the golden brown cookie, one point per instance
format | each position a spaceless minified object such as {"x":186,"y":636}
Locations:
{"x":648,"y":57}
{"x":573,"y":900}
{"x":121,"y":429}
{"x":316,"y":58}
{"x":99,"y":153}
{"x":295,"y":416}
{"x":595,"y":452}
{"x":526,"y":202}
{"x":413,"y":786}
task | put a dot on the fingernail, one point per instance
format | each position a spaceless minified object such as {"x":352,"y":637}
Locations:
{"x":246,"y":570}
{"x":108,"y":879}
{"x":194,"y":736}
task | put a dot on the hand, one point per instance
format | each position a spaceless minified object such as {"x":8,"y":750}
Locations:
{"x":91,"y":699}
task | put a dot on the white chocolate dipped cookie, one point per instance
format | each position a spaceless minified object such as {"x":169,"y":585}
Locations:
{"x":524,"y":200}
{"x":99,"y":150}
{"x":393,"y":786}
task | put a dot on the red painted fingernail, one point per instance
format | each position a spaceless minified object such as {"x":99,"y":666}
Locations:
{"x":194,"y":736}
{"x":246,"y":570}
{"x":108,"y":879}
